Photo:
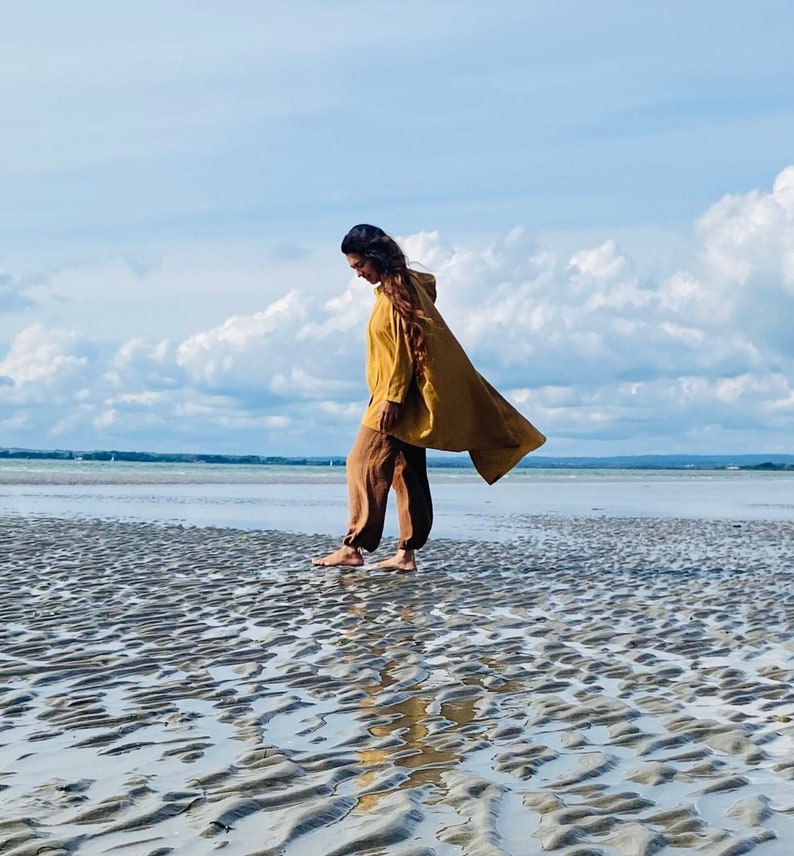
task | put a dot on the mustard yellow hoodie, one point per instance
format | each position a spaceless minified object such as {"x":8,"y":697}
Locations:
{"x":451,"y":407}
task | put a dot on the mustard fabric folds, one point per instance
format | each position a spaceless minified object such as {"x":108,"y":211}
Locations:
{"x":451,"y":407}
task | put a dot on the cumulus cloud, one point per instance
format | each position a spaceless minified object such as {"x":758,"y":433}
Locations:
{"x":141,"y":364}
{"x":244,"y":351}
{"x":279,"y":352}
{"x":747,"y":266}
{"x":593,"y":350}
{"x":603,"y":357}
{"x":593,"y":318}
{"x":44,"y":362}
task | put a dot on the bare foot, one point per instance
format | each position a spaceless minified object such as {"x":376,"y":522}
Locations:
{"x":344,"y":557}
{"x":402,"y":560}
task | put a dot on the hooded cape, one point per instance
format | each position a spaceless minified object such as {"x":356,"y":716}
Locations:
{"x":451,"y":406}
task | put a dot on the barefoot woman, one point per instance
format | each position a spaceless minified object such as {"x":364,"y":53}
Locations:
{"x":424,"y":394}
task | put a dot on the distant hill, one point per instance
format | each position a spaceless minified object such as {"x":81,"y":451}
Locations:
{"x":621,"y":462}
{"x":161,"y":457}
{"x":665,"y":462}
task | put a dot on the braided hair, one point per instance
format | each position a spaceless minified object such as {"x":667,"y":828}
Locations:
{"x":388,"y":259}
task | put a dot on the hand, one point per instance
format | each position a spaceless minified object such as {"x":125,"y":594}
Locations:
{"x":388,"y":416}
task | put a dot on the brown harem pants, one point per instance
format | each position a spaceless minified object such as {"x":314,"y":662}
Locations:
{"x":376,"y":463}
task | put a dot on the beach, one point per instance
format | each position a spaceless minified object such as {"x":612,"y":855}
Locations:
{"x":607,"y":682}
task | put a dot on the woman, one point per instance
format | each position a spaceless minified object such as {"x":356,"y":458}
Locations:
{"x":424,"y":394}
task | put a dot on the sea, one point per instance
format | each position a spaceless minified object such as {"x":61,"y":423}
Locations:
{"x":311,"y":499}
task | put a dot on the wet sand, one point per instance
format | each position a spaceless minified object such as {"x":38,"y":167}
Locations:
{"x":611,"y":686}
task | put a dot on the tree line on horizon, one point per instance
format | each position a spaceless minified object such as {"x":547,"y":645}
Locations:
{"x":742,"y":462}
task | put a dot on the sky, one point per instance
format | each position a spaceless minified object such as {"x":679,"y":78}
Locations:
{"x":604,"y":191}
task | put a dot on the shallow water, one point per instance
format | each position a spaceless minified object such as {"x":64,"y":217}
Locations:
{"x":313,"y":500}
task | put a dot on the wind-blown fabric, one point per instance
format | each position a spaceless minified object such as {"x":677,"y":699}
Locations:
{"x":451,"y":406}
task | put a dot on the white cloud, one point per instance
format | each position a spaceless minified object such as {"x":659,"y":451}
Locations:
{"x":43,"y":363}
{"x":344,"y":314}
{"x":602,"y":356}
{"x":107,"y":418}
{"x":244,"y":351}
{"x":602,"y":264}
{"x":748,"y":237}
{"x":139,"y":363}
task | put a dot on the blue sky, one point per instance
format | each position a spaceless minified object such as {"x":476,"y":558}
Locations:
{"x":604,"y":191}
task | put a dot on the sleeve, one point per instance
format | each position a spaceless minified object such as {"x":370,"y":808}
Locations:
{"x":402,"y":366}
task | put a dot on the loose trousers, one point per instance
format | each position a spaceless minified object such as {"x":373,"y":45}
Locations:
{"x":376,"y":463}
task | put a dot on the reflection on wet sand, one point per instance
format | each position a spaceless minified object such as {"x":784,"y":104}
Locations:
{"x":406,"y":720}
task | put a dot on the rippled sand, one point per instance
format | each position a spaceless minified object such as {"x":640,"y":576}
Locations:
{"x":598,"y":686}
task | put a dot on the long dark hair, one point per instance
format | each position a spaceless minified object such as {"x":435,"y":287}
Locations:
{"x":389,"y":261}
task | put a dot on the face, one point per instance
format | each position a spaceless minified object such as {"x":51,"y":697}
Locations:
{"x":363,"y":267}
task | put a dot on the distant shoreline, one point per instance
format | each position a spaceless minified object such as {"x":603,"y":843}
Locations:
{"x":653,"y":462}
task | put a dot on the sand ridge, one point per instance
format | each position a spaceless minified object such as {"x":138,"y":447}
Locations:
{"x":620,"y":687}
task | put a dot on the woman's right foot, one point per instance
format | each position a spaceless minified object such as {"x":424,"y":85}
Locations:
{"x":402,"y":560}
{"x":344,"y":557}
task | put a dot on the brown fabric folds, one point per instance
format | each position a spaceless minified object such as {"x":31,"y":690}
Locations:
{"x":376,"y":463}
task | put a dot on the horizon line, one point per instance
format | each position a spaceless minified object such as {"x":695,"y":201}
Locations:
{"x":9,"y":451}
